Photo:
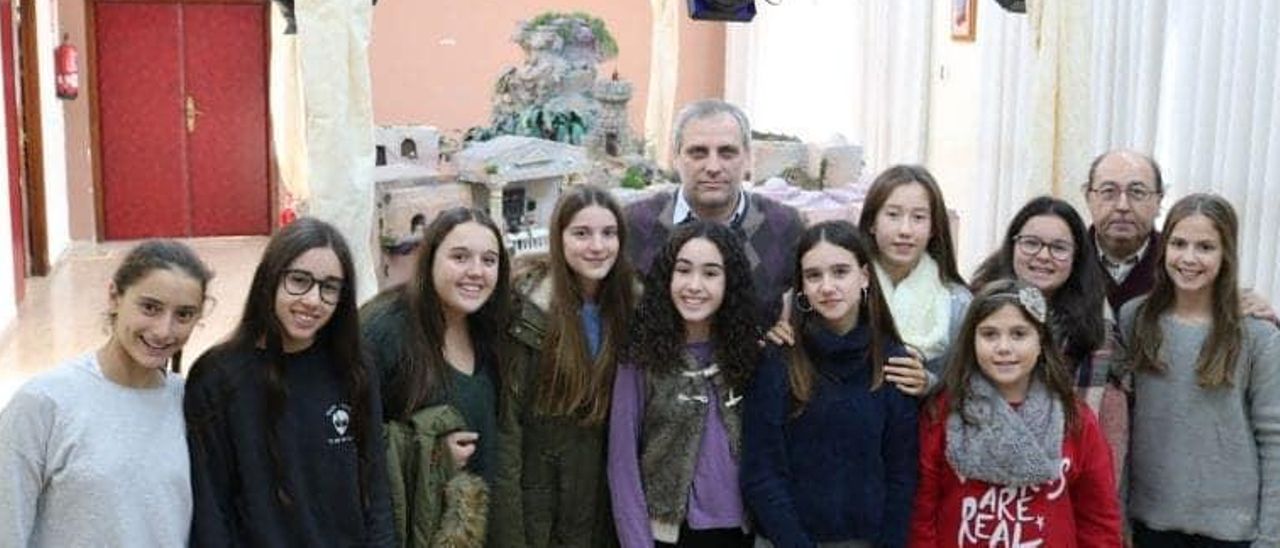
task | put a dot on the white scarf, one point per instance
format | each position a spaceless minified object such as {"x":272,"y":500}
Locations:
{"x":921,"y":306}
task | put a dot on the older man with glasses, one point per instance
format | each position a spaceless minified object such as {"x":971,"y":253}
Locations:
{"x":1123,"y":194}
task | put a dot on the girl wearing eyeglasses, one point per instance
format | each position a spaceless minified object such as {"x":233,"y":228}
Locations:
{"x":1048,"y":246}
{"x":284,"y":417}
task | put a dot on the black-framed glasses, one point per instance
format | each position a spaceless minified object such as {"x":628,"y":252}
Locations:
{"x":1030,"y":245}
{"x":299,"y":282}
{"x":1136,"y":193}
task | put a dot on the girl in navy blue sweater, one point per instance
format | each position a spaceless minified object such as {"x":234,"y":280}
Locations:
{"x":828,"y":452}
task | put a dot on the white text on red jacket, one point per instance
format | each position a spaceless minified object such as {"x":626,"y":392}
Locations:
{"x":1002,"y":517}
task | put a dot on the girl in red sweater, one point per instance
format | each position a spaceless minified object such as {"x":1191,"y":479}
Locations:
{"x":1008,"y":457}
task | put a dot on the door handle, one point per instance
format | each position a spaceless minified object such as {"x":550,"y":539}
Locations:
{"x":192,"y":114}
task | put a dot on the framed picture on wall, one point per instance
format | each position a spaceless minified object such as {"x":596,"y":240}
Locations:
{"x":964,"y":17}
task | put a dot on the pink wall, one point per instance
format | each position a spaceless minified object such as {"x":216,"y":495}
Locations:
{"x":436,"y":62}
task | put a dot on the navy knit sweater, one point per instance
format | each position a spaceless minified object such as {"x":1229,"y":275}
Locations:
{"x":845,"y":468}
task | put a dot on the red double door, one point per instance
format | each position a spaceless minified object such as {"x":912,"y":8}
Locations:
{"x":182,"y":113}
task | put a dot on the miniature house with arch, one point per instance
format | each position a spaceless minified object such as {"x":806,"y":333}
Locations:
{"x":518,"y":179}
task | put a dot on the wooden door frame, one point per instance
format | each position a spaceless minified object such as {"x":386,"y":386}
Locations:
{"x":88,"y":80}
{"x":33,"y":144}
{"x":13,"y":141}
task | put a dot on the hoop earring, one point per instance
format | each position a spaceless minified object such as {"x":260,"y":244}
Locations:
{"x":803,"y":304}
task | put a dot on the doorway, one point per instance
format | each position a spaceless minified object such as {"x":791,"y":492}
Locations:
{"x":181,"y":118}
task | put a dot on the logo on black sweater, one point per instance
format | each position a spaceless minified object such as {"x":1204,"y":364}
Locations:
{"x":340,"y":416}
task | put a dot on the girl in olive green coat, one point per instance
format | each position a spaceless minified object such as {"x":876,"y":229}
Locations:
{"x":571,"y":307}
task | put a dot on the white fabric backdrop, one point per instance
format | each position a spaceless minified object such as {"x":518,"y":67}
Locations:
{"x":1194,"y":83}
{"x":813,"y":68}
{"x":664,"y":73}
{"x":1219,"y":124}
{"x":1004,"y":94}
{"x":333,"y":43}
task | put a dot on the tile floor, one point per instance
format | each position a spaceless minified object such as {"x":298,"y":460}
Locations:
{"x":63,"y":314}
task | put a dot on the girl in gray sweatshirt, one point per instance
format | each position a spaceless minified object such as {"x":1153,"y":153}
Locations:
{"x":94,"y":452}
{"x":1205,"y":450}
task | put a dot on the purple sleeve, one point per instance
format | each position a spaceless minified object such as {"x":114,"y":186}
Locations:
{"x":630,"y":512}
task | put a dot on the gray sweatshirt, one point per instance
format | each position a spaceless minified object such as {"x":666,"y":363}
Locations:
{"x":1207,"y":461}
{"x":87,"y":462}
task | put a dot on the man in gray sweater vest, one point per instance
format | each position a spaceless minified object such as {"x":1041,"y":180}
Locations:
{"x":711,"y":151}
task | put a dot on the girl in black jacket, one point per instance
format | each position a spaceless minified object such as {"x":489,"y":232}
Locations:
{"x":284,"y":418}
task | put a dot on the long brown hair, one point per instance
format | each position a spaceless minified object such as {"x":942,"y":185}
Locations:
{"x":1216,"y":364}
{"x":1077,"y":305}
{"x":1051,"y":369}
{"x":569,"y":381}
{"x":940,"y":246}
{"x":426,"y":371}
{"x":340,"y":336}
{"x":873,"y":309}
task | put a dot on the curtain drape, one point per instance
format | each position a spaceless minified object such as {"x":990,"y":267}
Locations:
{"x":333,"y":46}
{"x":814,"y":68}
{"x":1193,"y":83}
{"x":1004,"y":98}
{"x":1218,"y":124}
{"x":664,"y":73}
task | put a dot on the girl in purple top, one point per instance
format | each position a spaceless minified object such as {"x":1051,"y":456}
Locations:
{"x":675,"y":423}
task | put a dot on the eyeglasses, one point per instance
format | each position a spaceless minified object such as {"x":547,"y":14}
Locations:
{"x":1135,"y":193}
{"x":1031,"y":246}
{"x":300,"y":282}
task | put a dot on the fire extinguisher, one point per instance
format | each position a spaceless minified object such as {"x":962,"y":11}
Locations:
{"x":68,"y":69}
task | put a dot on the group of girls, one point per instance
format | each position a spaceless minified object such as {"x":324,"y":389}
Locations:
{"x":560,"y":401}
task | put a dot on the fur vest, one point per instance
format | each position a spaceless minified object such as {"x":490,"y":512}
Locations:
{"x":675,"y":413}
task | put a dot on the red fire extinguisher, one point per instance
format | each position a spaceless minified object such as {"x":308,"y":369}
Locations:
{"x":68,"y":69}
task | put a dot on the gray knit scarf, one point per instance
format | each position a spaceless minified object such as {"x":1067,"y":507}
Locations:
{"x":1002,"y":445}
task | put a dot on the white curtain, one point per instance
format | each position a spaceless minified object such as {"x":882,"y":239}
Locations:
{"x":1218,"y":127}
{"x":1194,"y":83}
{"x":664,"y":73}
{"x":1128,"y":54}
{"x":1005,"y":97}
{"x":288,"y":109}
{"x":333,"y":45}
{"x":814,"y":68}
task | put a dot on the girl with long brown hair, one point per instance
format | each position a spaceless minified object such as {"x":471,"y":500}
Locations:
{"x":914,"y":259}
{"x":571,"y":310}
{"x":435,"y":341}
{"x":675,"y":421}
{"x":284,"y":417}
{"x":1205,"y":451}
{"x":829,"y":451}
{"x":1008,"y":455}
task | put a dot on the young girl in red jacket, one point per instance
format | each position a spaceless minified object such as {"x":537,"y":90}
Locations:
{"x":1008,"y":456}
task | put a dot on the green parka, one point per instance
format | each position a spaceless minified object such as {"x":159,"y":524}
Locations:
{"x":435,"y":505}
{"x":550,"y":488}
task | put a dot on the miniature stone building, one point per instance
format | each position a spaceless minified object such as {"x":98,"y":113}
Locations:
{"x":407,"y":145}
{"x":518,"y":180}
{"x":611,"y":136}
{"x":830,"y":164}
